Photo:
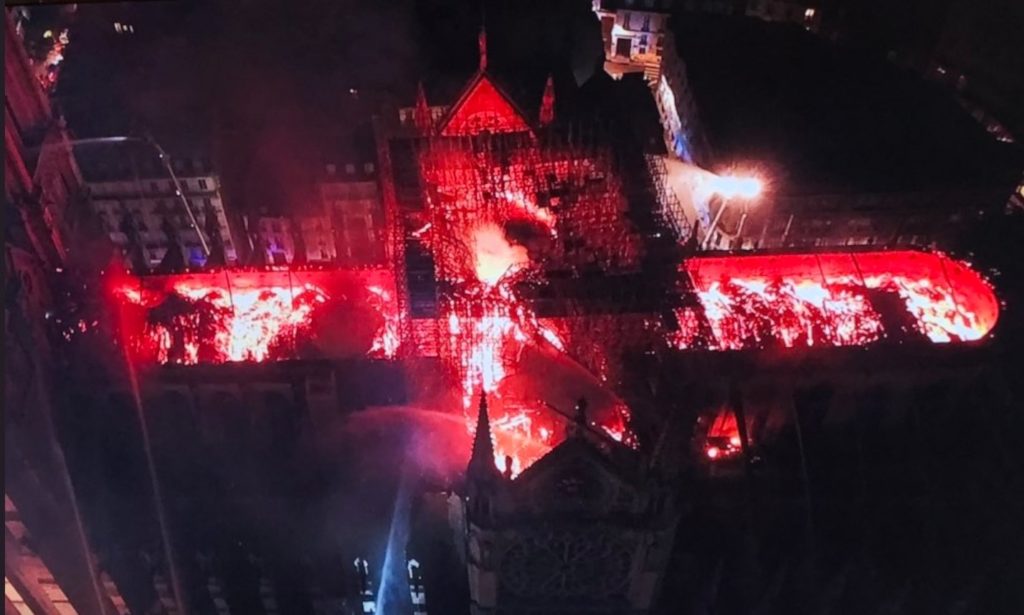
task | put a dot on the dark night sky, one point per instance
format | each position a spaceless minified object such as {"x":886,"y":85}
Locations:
{"x":267,"y":85}
{"x":828,"y":118}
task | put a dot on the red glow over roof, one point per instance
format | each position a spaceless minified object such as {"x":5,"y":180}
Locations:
{"x":834,"y":299}
{"x":483,"y":108}
{"x":257,"y":316}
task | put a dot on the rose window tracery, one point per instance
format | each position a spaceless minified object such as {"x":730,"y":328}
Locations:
{"x":567,"y":565}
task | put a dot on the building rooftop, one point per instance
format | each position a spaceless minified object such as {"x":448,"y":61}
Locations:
{"x":524,"y":87}
{"x":823,"y":118}
{"x":637,"y":5}
{"x":118,"y":161}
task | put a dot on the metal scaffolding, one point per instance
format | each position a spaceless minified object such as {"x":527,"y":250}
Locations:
{"x":583,"y":199}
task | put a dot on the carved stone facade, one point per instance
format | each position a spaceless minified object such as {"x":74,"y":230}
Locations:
{"x":587,"y":528}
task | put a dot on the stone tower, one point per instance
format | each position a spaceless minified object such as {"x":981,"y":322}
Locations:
{"x":587,"y":528}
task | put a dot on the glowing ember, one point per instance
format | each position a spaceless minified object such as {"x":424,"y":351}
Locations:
{"x":752,"y":313}
{"x":723,"y":437}
{"x":386,"y":341}
{"x":527,"y":434}
{"x":833,"y":300}
{"x":46,"y":57}
{"x":493,"y":256}
{"x":615,"y":432}
{"x":530,"y":209}
{"x":524,"y":436}
{"x":488,"y":327}
{"x":199,"y":323}
{"x":255,"y":316}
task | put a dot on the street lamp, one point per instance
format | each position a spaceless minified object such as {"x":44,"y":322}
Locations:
{"x":730,"y":187}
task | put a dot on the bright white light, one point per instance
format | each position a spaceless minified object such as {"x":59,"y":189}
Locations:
{"x":493,"y":256}
{"x":730,"y":187}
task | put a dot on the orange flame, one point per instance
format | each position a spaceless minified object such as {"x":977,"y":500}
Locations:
{"x":386,"y":341}
{"x":835,"y":300}
{"x":257,"y":322}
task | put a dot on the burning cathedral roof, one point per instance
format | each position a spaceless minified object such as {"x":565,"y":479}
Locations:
{"x":571,"y":199}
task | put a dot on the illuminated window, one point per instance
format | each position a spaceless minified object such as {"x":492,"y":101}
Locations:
{"x":809,"y":14}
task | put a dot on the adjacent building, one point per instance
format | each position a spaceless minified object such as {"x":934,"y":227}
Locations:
{"x":677,"y":107}
{"x":49,"y":565}
{"x":274,"y":240}
{"x":39,"y":160}
{"x":318,"y":238}
{"x":345,"y":229}
{"x":851,"y":150}
{"x":633,"y":33}
{"x":150,"y":206}
{"x":352,"y":209}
